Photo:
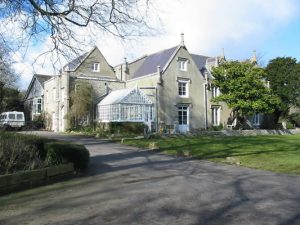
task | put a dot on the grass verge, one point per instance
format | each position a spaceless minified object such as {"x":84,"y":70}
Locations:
{"x":278,"y":153}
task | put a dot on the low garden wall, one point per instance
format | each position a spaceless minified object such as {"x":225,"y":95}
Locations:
{"x":249,"y":132}
{"x":33,"y":178}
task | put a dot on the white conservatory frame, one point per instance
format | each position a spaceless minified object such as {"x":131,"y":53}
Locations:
{"x":126,"y":105}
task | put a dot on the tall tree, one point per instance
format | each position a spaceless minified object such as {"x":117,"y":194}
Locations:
{"x":8,"y":77}
{"x":62,"y":19}
{"x":283,"y":73}
{"x":81,"y":101}
{"x":12,"y":99}
{"x":243,"y":88}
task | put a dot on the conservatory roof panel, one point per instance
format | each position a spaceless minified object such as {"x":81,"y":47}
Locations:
{"x":126,"y":96}
{"x":115,"y":97}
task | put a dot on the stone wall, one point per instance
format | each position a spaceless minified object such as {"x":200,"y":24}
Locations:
{"x":248,"y":132}
{"x":33,"y":178}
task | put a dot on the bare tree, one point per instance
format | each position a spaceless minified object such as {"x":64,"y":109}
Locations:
{"x":8,"y":77}
{"x":61,"y":19}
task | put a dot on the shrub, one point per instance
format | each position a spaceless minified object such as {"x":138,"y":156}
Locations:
{"x":295,"y":118}
{"x":60,"y":152}
{"x":39,"y":121}
{"x":17,"y":153}
{"x":289,"y":125}
{"x":216,"y":128}
{"x":26,"y":152}
{"x":127,"y":128}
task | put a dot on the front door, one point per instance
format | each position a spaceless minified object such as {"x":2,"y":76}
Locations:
{"x":183,"y":119}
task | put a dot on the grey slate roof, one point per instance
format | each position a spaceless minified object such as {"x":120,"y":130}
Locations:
{"x":150,"y":63}
{"x":42,"y":78}
{"x":200,"y":61}
{"x":71,"y":66}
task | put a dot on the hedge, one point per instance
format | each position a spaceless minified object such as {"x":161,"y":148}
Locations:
{"x":61,"y":152}
{"x":20,"y":152}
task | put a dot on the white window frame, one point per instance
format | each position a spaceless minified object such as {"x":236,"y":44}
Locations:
{"x":215,"y":91}
{"x":183,"y":108}
{"x":186,"y":86}
{"x":95,"y":67}
{"x":215,"y":115}
{"x":256,"y":119}
{"x":35,"y":106}
{"x":183,"y":64}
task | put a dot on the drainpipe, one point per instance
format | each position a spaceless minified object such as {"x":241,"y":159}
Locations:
{"x":205,"y":85}
{"x":156,"y":108}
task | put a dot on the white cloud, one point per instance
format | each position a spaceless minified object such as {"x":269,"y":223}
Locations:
{"x":238,"y":26}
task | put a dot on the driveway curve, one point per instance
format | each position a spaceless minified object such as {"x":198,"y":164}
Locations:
{"x":126,"y":185}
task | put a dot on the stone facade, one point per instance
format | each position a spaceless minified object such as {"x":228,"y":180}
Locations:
{"x":177,"y":82}
{"x":93,"y":69}
{"x":34,"y":97}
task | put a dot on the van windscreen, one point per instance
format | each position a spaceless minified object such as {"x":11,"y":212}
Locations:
{"x":19,"y":116}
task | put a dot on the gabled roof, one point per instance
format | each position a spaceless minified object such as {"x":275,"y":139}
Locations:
{"x":41,"y":78}
{"x":200,"y":61}
{"x":150,"y":62}
{"x":121,"y":96}
{"x":73,"y":65}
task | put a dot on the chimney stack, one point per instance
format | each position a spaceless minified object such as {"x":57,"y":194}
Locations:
{"x":223,"y":54}
{"x":182,"y":40}
{"x":254,"y":58}
{"x":159,"y":74}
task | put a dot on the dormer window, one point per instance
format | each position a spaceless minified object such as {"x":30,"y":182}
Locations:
{"x":182,"y":64}
{"x":95,"y":67}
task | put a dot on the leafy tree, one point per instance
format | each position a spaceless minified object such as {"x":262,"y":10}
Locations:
{"x":243,"y":89}
{"x":283,"y":73}
{"x":81,"y":101}
{"x":12,"y":99}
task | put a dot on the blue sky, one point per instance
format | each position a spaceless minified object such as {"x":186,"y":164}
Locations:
{"x":271,"y":27}
{"x":285,"y":42}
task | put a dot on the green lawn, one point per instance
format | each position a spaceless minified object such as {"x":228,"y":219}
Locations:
{"x":280,"y":153}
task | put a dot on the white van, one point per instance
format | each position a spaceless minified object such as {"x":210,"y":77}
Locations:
{"x":12,"y":120}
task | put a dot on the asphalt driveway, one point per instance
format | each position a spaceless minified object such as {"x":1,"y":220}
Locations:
{"x":125,"y":185}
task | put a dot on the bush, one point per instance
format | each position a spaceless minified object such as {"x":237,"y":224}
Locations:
{"x":295,"y":118}
{"x":289,"y":125}
{"x":127,"y":128}
{"x":217,"y":128}
{"x":20,"y":152}
{"x":17,"y":153}
{"x":39,"y":121}
{"x":61,"y":152}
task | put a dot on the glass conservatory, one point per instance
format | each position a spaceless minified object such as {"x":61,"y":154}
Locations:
{"x":126,"y":105}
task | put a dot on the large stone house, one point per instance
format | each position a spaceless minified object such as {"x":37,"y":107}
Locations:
{"x":174,"y":81}
{"x":177,"y":81}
